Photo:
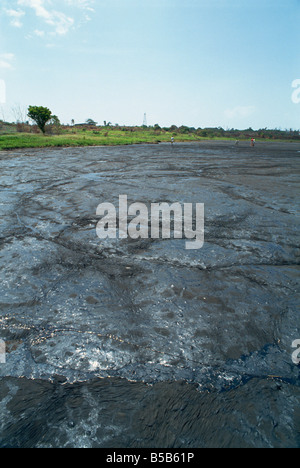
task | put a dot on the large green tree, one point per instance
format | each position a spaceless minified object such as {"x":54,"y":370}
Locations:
{"x":40,"y":115}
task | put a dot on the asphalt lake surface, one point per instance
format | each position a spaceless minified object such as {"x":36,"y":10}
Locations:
{"x":142,"y":343}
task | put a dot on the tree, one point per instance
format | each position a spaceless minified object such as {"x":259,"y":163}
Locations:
{"x":54,"y":124}
{"x":40,"y":115}
{"x":91,"y":122}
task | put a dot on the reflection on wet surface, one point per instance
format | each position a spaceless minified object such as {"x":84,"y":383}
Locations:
{"x":142,"y":343}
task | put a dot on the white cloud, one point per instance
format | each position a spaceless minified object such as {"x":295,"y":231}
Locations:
{"x":57,"y":19}
{"x":38,"y":6}
{"x":61,"y":22}
{"x":6,"y":61}
{"x":239,"y":111}
{"x":83,"y":4}
{"x":39,"y":33}
{"x":16,"y":16}
{"x":60,"y":15}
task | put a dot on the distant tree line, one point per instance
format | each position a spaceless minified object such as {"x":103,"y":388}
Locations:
{"x":43,"y":120}
{"x":219,"y":132}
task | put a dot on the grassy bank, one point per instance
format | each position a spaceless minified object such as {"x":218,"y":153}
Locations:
{"x":25,"y":136}
{"x":101,"y":137}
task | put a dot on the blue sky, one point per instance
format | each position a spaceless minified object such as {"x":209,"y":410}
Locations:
{"x":228,"y":63}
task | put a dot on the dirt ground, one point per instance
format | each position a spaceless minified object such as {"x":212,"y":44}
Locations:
{"x":142,"y":343}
